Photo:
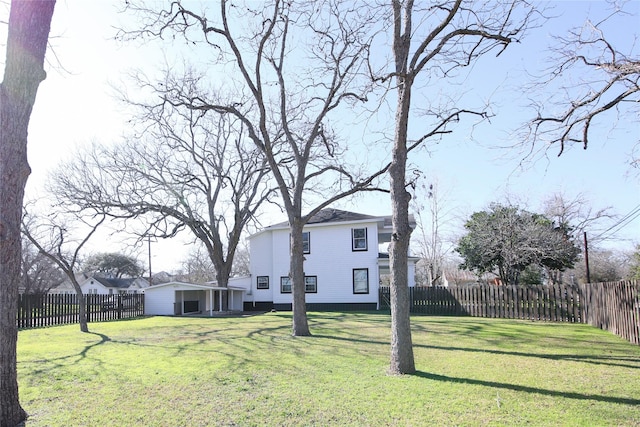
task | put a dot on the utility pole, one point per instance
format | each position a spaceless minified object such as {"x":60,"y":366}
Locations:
{"x":586,"y":257}
{"x":150,"y":275}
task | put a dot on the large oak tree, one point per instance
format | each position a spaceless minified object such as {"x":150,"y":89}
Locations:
{"x":294,"y":68}
{"x":182,"y":168}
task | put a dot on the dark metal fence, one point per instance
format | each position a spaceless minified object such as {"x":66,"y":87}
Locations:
{"x":614,"y":307}
{"x":47,"y":310}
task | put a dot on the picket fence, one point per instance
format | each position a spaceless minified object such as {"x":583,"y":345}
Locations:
{"x":612,"y":306}
{"x":36,"y":311}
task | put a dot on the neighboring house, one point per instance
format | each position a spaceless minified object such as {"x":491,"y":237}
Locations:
{"x":110,"y":286}
{"x":345,"y":260}
{"x":103,"y":286}
{"x":66,"y":287}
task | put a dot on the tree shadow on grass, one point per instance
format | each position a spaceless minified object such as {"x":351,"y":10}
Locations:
{"x":103,"y":339}
{"x":527,"y":389}
{"x":51,"y":364}
{"x":615,"y":361}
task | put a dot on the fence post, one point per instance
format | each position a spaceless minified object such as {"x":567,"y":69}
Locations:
{"x":87,"y":300}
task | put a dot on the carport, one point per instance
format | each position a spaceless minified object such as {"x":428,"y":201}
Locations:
{"x":180,"y":298}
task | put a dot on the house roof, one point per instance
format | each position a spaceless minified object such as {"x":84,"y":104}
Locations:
{"x":332,"y":215}
{"x":193,"y":286}
{"x":115,"y":283}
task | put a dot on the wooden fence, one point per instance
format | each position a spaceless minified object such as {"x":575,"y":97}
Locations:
{"x":614,"y":307}
{"x":47,"y":310}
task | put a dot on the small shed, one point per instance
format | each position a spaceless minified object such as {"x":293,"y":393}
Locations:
{"x":180,"y":298}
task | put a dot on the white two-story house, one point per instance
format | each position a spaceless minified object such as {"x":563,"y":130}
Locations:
{"x":346,"y":260}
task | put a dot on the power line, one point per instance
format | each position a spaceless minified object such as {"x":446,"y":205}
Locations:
{"x":623,"y":222}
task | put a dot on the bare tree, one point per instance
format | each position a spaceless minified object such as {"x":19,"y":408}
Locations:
{"x":27,"y":36}
{"x":39,"y":273}
{"x":433,"y":40}
{"x":432,"y":214}
{"x":597,"y":80}
{"x":241,"y":262}
{"x":55,"y":235}
{"x":633,"y":261}
{"x":197,"y":267}
{"x":296,"y":66}
{"x":187,"y":168}
{"x":576,"y":213}
{"x":605,"y":265}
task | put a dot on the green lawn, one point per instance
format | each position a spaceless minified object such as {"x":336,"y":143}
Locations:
{"x":165,"y":371}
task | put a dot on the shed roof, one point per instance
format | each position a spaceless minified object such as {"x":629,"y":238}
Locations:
{"x":193,"y":286}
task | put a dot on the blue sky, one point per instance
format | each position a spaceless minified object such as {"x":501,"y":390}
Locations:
{"x":75,"y":106}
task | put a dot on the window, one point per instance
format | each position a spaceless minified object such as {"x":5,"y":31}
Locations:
{"x":311,"y":284}
{"x":285,"y":285}
{"x":263,"y":282}
{"x":360,"y":280}
{"x":306,"y":242}
{"x":359,"y":239}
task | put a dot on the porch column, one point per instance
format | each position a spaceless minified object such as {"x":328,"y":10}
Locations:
{"x":220,"y":301}
{"x":210,"y":302}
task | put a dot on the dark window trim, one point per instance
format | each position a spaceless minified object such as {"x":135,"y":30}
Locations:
{"x":354,"y":281}
{"x":353,"y":240}
{"x":305,"y":285}
{"x":258,"y":285}
{"x":308,"y":251}
{"x":282,"y":291}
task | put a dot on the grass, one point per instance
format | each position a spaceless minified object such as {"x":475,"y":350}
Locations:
{"x":164,"y":371}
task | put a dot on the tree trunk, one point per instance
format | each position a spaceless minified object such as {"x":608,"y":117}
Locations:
{"x":402,"y":361}
{"x":82,"y":312}
{"x":223,"y":271}
{"x":296,"y":275}
{"x":82,"y":302}
{"x":28,"y":32}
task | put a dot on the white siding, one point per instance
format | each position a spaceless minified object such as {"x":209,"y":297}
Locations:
{"x":236,"y":295}
{"x":165,"y":299}
{"x":281,"y":261}
{"x":261,"y":259}
{"x":159,"y":301}
{"x":236,"y":300}
{"x":331,"y":260}
{"x":92,"y":286}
